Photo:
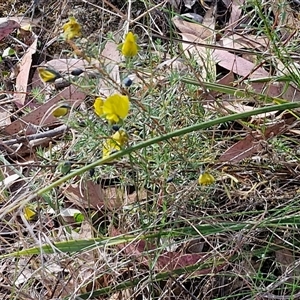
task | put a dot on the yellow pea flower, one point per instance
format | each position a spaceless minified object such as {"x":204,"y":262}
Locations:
{"x":61,"y":111}
{"x":129,"y":47}
{"x":71,"y":29}
{"x":47,"y":74}
{"x":29,"y":213}
{"x":121,"y":137}
{"x":98,"y":106}
{"x":206,"y":179}
{"x":114,"y":108}
{"x":114,"y":143}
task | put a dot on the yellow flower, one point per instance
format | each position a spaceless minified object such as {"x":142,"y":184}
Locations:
{"x":98,"y":106}
{"x":61,"y":111}
{"x":48,"y":75}
{"x":29,"y":213}
{"x":114,"y":108}
{"x":206,"y":179}
{"x":121,"y":137}
{"x":71,"y":29}
{"x":114,"y":143}
{"x":130,"y":47}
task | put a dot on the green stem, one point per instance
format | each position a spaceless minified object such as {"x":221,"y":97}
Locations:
{"x":170,"y":135}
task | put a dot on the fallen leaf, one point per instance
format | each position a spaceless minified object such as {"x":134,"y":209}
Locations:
{"x":236,"y":11}
{"x":112,"y":58}
{"x":196,"y":29}
{"x":236,"y":41}
{"x":238,"y":65}
{"x":70,"y":95}
{"x":252,"y":143}
{"x":4,"y":117}
{"x":22,"y":77}
{"x":286,"y":260}
{"x":21,"y":21}
{"x":87,"y":195}
{"x":240,"y":108}
{"x":166,"y":261}
{"x":6,"y":27}
{"x":67,"y":64}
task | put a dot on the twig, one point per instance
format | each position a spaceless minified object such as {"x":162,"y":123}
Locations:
{"x":50,"y":133}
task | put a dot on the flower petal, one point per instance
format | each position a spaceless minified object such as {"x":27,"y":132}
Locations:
{"x":206,"y":179}
{"x":110,"y":146}
{"x":121,"y":137}
{"x":129,"y":48}
{"x":71,"y":29}
{"x":116,"y":107}
{"x":114,"y":143}
{"x":98,"y":106}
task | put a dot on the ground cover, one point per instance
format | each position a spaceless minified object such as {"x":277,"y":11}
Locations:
{"x":150,"y":150}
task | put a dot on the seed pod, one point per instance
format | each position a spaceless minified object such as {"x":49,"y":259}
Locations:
{"x":127,"y":81}
{"x":77,"y":72}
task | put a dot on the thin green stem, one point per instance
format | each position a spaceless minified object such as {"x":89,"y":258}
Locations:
{"x":168,"y":136}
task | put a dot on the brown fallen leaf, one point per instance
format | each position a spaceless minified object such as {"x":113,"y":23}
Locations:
{"x":228,"y":79}
{"x":236,"y":41}
{"x":252,"y":143}
{"x":201,"y":31}
{"x":196,"y":34}
{"x":21,"y":20}
{"x":166,"y":261}
{"x":236,"y":11}
{"x":238,"y":65}
{"x":87,"y":195}
{"x":112,"y":58}
{"x":71,"y":95}
{"x":286,"y":259}
{"x":22,"y":77}
{"x":6,"y":27}
{"x":67,"y":65}
{"x":116,"y":197}
{"x":225,"y":59}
